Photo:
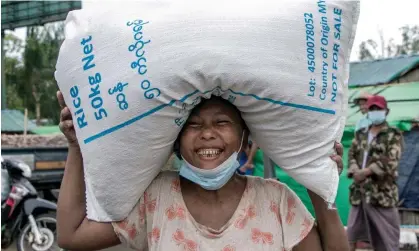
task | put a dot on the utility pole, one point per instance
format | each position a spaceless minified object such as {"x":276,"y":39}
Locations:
{"x":3,"y":74}
{"x":269,"y":165}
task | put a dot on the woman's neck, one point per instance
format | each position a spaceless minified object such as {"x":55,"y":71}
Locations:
{"x":213,"y":209}
{"x":235,"y":185}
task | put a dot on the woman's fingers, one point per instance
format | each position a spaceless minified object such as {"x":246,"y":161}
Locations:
{"x":338,"y":156}
{"x":65,"y":114}
{"x":339,"y":149}
{"x":338,"y":159}
{"x":66,"y":121}
{"x":60,"y":98}
{"x":66,"y":126}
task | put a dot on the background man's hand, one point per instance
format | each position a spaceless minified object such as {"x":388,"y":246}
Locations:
{"x":361,"y":175}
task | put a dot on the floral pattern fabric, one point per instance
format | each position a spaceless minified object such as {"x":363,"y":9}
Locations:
{"x":269,"y":217}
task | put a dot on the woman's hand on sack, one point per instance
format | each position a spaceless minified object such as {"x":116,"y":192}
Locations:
{"x":338,"y":156}
{"x":66,"y":122}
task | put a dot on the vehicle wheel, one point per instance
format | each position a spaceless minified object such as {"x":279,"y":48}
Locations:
{"x":47,"y":225}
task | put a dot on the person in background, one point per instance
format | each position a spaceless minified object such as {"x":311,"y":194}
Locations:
{"x":373,"y":164}
{"x":246,"y":159}
{"x":361,"y":101}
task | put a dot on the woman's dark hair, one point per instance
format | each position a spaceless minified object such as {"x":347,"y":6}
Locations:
{"x":176,"y":146}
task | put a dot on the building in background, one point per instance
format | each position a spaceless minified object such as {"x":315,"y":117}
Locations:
{"x":13,"y":122}
{"x":402,"y":69}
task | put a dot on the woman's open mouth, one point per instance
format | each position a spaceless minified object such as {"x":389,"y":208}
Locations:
{"x":209,"y":153}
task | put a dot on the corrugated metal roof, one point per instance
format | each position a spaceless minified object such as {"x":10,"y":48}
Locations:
{"x":380,"y":71}
{"x":13,"y":121}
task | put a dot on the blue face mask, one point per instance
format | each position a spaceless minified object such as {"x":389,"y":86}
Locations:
{"x":212,"y":179}
{"x":377,"y":117}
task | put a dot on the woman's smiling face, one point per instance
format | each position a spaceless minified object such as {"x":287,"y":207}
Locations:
{"x":213,"y":132}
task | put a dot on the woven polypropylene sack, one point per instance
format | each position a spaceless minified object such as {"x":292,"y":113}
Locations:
{"x":130,"y":78}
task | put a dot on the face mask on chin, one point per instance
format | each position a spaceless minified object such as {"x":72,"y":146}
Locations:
{"x":377,"y":117}
{"x":212,"y":179}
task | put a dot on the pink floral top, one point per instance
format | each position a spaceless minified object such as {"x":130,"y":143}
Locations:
{"x":269,"y":217}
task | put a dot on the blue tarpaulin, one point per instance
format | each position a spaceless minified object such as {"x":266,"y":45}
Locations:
{"x":408,"y":180}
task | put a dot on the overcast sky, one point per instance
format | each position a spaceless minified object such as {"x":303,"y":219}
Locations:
{"x":388,"y":15}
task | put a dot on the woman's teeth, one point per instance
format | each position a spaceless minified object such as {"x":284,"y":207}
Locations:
{"x":209,"y":153}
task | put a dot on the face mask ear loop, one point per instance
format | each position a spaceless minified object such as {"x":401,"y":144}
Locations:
{"x":241,"y":143}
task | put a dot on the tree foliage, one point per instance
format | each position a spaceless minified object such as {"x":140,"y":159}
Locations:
{"x":370,"y":49}
{"x":12,"y":73}
{"x":30,"y":80}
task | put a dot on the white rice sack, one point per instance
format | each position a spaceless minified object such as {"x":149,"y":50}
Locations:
{"x":131,"y":78}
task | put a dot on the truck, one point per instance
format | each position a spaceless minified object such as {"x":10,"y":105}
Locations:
{"x":45,"y":155}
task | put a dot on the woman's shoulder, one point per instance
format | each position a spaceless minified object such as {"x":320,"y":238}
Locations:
{"x":162,"y":185}
{"x":166,"y":175}
{"x":266,"y":183}
{"x":271,"y":187}
{"x":163,"y":181}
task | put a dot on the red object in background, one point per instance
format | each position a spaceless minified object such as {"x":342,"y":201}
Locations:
{"x":363,"y":245}
{"x":377,"y":100}
{"x":10,"y":202}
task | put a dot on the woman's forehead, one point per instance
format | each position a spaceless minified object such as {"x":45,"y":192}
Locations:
{"x":216,"y":106}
